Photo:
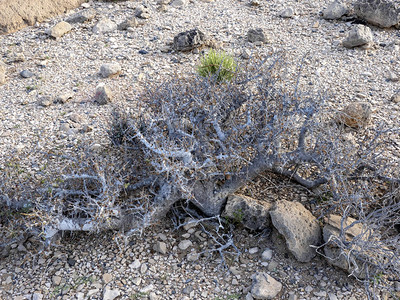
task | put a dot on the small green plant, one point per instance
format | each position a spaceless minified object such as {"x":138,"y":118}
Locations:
{"x":139,"y":295}
{"x":220,"y":64}
{"x":238,"y":216}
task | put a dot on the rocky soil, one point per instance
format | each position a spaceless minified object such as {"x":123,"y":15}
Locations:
{"x":61,"y":83}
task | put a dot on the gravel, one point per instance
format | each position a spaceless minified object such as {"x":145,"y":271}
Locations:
{"x":66,"y":70}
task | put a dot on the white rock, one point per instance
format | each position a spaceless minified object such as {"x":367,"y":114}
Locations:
{"x":253,"y":250}
{"x":183,"y":245}
{"x":335,"y":10}
{"x":104,"y":25}
{"x":160,"y":247}
{"x":287,"y":13}
{"x":111,"y":294}
{"x":267,"y":254}
{"x":135,"y":265}
{"x":264,"y":286}
{"x":147,"y":288}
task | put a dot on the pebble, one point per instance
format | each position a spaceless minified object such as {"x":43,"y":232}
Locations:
{"x":267,"y":254}
{"x":183,"y":245}
{"x":26,"y":74}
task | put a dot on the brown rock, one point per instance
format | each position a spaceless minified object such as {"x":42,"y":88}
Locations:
{"x":355,"y":115}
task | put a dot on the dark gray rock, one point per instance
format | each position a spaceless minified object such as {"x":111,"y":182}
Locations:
{"x":82,"y":16}
{"x":26,"y":74}
{"x":382,"y":13}
{"x":252,"y":213}
{"x":256,"y":35}
{"x":188,"y":40}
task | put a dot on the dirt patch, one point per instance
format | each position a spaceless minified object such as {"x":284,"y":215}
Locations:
{"x":16,"y":14}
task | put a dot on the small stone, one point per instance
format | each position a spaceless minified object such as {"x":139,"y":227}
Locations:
{"x":246,"y":54}
{"x":64,"y":98}
{"x":135,"y":265}
{"x":335,"y":11}
{"x":82,"y":16}
{"x":189,"y":224}
{"x":137,"y":281}
{"x":153,"y":296}
{"x":104,"y":25}
{"x":179,"y":3}
{"x":193,"y":256}
{"x":235,"y":281}
{"x":56,"y":280}
{"x":21,"y":248}
{"x":45,"y":102}
{"x":254,"y":3}
{"x":264,"y":286}
{"x":85,"y":5}
{"x":26,"y":74}
{"x":60,"y":29}
{"x":256,"y":35}
{"x":358,"y":36}
{"x":103,"y":94}
{"x":266,"y":255}
{"x":287,"y":13}
{"x":37,"y":296}
{"x":187,"y":290}
{"x":272,"y":266}
{"x":142,"y":51}
{"x":160,"y":247}
{"x":253,"y":250}
{"x":392,"y":77}
{"x":188,"y":40}
{"x":147,"y":288}
{"x":183,"y":245}
{"x":332,"y":296}
{"x":355,"y":115}
{"x":131,"y":22}
{"x":292,"y":296}
{"x":142,"y":11}
{"x":143,"y":269}
{"x":18,"y":57}
{"x":2,"y":72}
{"x":111,"y":294}
{"x":308,"y":289}
{"x":71,"y":262}
{"x":397,"y":286}
{"x":110,"y":69}
{"x":107,"y":278}
{"x":321,"y":294}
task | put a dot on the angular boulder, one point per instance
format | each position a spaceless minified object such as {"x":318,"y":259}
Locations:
{"x":16,"y":14}
{"x":252,"y":213}
{"x":299,"y":228}
{"x":382,"y":13}
{"x":60,"y":29}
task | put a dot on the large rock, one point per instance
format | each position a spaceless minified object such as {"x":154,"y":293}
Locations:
{"x":264,"y":286}
{"x":16,"y":14}
{"x":335,"y":10}
{"x":342,"y":257}
{"x":382,"y":13}
{"x":360,"y":35}
{"x":299,"y":227}
{"x":188,"y":40}
{"x":252,"y":213}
